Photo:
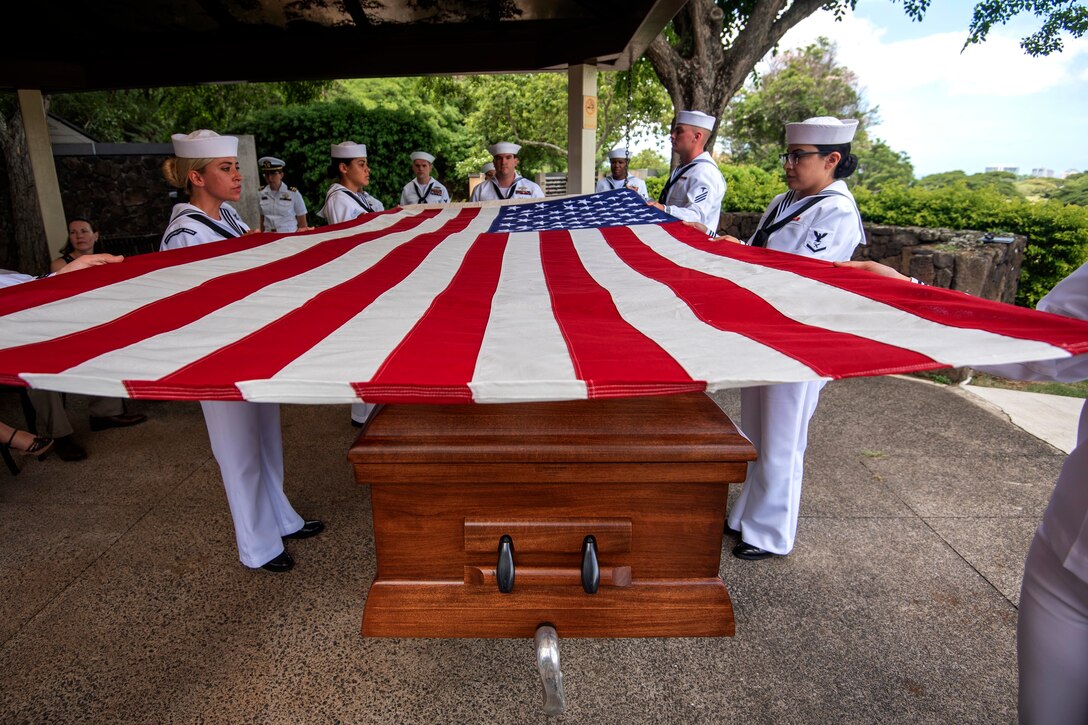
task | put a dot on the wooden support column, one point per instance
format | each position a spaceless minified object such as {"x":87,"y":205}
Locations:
{"x":40,"y":152}
{"x":581,"y":128}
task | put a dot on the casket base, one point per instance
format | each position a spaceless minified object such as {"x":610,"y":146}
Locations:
{"x":686,"y":608}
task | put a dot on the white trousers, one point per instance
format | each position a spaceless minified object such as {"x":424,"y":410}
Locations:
{"x":361,"y":411}
{"x":1052,"y":641}
{"x":248,"y":447}
{"x":775,"y":418}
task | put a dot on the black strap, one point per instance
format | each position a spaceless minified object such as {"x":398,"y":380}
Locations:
{"x":206,"y":221}
{"x":423,"y":196}
{"x":764,"y":232}
{"x":673,"y":180}
{"x":513,"y":187}
{"x":358,"y":199}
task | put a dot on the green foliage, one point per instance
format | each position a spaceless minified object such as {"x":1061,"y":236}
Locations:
{"x":651,"y":160}
{"x":1001,"y":182}
{"x":627,"y":100}
{"x":880,"y":166}
{"x":800,"y":84}
{"x":655,"y":184}
{"x":750,"y":188}
{"x":301,"y":137}
{"x":1074,"y":190}
{"x":1057,"y":16}
{"x":1057,"y":233}
{"x":153,"y":114}
{"x":529,"y":109}
{"x":1038,"y":188}
{"x":433,"y":102}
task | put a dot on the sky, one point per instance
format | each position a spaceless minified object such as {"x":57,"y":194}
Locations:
{"x":989,"y":105}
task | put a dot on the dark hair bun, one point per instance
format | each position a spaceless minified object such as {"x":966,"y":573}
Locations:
{"x":847,"y":166}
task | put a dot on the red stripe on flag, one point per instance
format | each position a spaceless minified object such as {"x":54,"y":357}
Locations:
{"x":60,"y":287}
{"x":935,"y":304}
{"x":728,"y":306}
{"x":608,"y":353}
{"x":443,"y":346}
{"x":182,"y":308}
{"x":266,"y":351}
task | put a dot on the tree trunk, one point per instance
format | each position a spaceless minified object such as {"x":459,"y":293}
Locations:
{"x":702,"y":69}
{"x":28,"y":250}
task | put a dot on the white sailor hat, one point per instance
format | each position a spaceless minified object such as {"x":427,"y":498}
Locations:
{"x":696,"y":118}
{"x":618,"y":153}
{"x":204,"y":144}
{"x":270,"y":163}
{"x":503,"y":147}
{"x":489,"y":166}
{"x":423,"y":155}
{"x":348,"y":150}
{"x":822,"y":131}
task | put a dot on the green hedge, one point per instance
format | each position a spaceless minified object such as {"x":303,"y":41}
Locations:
{"x":748,"y":188}
{"x":1057,"y":233}
{"x":301,"y":136}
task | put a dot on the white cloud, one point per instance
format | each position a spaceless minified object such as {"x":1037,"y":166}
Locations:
{"x":997,"y":67}
{"x":966,"y":110}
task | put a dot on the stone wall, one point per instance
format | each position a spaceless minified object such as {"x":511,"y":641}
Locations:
{"x":123,"y":192}
{"x":959,"y":260}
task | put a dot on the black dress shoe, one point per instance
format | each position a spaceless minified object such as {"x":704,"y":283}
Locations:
{"x":102,"y":422}
{"x":68,"y":450}
{"x":283,"y":562}
{"x":730,"y":531}
{"x":751,"y":553}
{"x":356,"y":424}
{"x":309,"y":528}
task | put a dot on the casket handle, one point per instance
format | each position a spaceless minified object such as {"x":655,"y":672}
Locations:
{"x":591,"y":570}
{"x":504,"y":571}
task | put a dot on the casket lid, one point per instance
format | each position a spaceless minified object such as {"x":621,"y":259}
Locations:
{"x":688,"y":427}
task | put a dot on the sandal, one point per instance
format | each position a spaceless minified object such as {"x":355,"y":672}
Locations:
{"x":38,"y":448}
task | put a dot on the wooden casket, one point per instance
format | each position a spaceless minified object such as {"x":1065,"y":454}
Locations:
{"x":601,"y":518}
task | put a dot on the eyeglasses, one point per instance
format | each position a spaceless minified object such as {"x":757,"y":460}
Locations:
{"x":791,"y":158}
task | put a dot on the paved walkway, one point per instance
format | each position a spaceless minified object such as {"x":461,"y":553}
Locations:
{"x":1052,"y":418}
{"x":125,"y":603}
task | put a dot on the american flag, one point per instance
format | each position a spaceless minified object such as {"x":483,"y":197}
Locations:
{"x":584,"y":297}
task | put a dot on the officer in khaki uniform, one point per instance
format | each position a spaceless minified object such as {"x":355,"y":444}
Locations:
{"x":282,"y":208}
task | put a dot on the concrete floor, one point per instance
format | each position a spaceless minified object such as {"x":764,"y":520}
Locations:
{"x":124,"y":601}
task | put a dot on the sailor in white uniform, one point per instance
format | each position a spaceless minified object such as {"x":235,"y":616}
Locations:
{"x":695,"y":189}
{"x":488,"y":170}
{"x":817,"y":217}
{"x":507,"y":184}
{"x":245,"y":437}
{"x":620,"y":177}
{"x":346,"y":198}
{"x":423,"y":189}
{"x":282,"y":207}
{"x":1052,"y":626}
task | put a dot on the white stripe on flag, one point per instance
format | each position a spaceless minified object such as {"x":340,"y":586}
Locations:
{"x":705,"y":352}
{"x":523,"y":356}
{"x":353,"y":353}
{"x":814,"y":303}
{"x":159,"y":355}
{"x":105,"y":304}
